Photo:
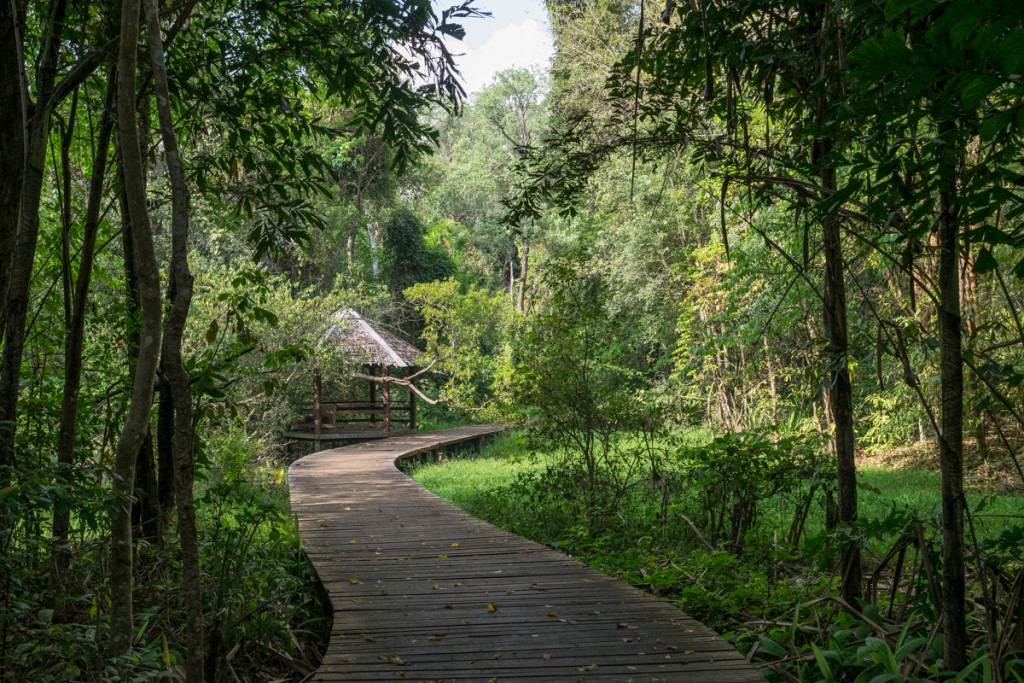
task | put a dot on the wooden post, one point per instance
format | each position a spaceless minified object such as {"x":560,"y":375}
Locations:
{"x":373,"y":396}
{"x":386,"y":395}
{"x":317,"y":410}
{"x":412,"y":408}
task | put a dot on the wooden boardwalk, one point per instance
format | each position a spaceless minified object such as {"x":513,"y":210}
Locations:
{"x":421,"y":591}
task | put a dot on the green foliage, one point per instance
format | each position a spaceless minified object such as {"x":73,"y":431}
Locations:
{"x":408,"y":259}
{"x":734,"y":476}
{"x":463,"y":336}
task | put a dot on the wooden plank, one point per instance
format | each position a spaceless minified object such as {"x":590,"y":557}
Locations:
{"x":422,"y":591}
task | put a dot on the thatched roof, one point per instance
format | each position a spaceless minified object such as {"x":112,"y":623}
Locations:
{"x":369,"y":343}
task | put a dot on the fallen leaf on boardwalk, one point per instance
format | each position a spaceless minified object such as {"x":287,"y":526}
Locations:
{"x":383,"y":592}
{"x":434,"y":586}
{"x":348,"y":508}
{"x":689,"y":630}
{"x":671,"y":647}
{"x":410,"y":556}
{"x":448,"y":605}
{"x":491,"y":607}
{"x":352,"y":541}
{"x":354,"y":581}
{"x":639,"y":618}
{"x":534,"y":587}
{"x":589,"y":667}
{"x":546,"y":656}
{"x":324,"y":525}
{"x":552,"y":614}
{"x":368,"y":639}
{"x":396,"y":660}
{"x":457,"y":584}
{"x":455,"y":545}
{"x":658,"y":641}
{"x":400,"y":673}
{"x":436,"y":636}
{"x":509,"y":591}
{"x":627,"y":640}
{"x":497,"y":655}
{"x":442,"y":557}
{"x":622,"y":624}
{"x":689,"y":652}
{"x":494,"y":680}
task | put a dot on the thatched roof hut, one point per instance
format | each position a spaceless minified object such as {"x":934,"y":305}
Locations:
{"x":368,"y":343}
{"x":365,"y":343}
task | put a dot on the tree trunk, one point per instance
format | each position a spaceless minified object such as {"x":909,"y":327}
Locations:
{"x":524,"y":264}
{"x":146,"y":514}
{"x":952,"y":380}
{"x":177,"y":375}
{"x":73,"y":348}
{"x":136,"y":424}
{"x":13,"y":152}
{"x":28,"y":233}
{"x":373,"y":251}
{"x":840,"y":390}
{"x":164,"y":448}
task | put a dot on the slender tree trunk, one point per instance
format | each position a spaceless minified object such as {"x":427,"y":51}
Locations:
{"x":13,"y":152}
{"x":146,"y":512}
{"x":177,"y":375}
{"x":136,"y":424}
{"x":952,"y":380}
{"x":373,"y":251}
{"x":771,"y":382}
{"x":28,"y":232}
{"x":353,"y":229}
{"x":67,"y":133}
{"x":524,"y":264}
{"x":164,"y":447}
{"x":840,"y":390}
{"x":73,"y":346}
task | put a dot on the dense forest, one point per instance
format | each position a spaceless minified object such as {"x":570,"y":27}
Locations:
{"x":748,"y":276}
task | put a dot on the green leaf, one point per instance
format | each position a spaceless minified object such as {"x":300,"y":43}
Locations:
{"x":823,"y":665}
{"x":211,"y":332}
{"x":771,"y":647}
{"x":985,"y":261}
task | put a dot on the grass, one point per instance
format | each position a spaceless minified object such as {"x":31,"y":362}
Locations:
{"x":462,"y":481}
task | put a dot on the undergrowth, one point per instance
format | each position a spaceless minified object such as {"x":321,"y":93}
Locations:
{"x":264,"y":619}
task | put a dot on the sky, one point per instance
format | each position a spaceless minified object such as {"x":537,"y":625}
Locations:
{"x":517,"y":34}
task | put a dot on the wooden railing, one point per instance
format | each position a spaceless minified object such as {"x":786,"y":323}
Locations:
{"x":340,"y":415}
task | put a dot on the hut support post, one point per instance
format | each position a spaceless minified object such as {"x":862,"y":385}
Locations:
{"x":373,"y":397}
{"x":317,"y":408}
{"x":412,"y":409}
{"x":386,"y":395}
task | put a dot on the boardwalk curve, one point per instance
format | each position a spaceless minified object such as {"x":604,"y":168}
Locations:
{"x":421,"y":591}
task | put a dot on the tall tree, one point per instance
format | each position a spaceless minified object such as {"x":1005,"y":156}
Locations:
{"x":136,"y":425}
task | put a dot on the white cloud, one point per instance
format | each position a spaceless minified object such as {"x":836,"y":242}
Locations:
{"x":516,"y":45}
